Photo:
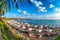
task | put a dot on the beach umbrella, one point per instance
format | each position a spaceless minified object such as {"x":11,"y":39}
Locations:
{"x":28,"y":25}
{"x":35,"y":26}
{"x":53,"y":26}
{"x":30,"y":29}
{"x":49,"y":30}
{"x":39,"y":30}
{"x":41,"y":26}
{"x":23,"y":27}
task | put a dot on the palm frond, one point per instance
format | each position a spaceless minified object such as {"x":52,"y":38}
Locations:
{"x":9,"y":5}
{"x":3,"y":11}
{"x":16,"y":5}
{"x":29,"y":1}
{"x":22,"y":2}
{"x":2,"y":8}
{"x":15,"y":1}
{"x":5,"y":5}
{"x":12,"y":4}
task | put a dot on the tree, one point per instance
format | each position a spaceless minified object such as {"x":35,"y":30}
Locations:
{"x":3,"y":5}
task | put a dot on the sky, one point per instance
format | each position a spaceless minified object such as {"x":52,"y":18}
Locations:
{"x":39,"y":9}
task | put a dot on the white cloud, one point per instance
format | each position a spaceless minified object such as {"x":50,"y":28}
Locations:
{"x":51,"y":6}
{"x":19,"y":10}
{"x":56,"y":15}
{"x":50,"y":17}
{"x":42,"y":9}
{"x":37,"y":3}
{"x":39,"y":7}
{"x":40,"y":3}
{"x":57,"y":10}
{"x":24,"y":12}
{"x":45,"y":10}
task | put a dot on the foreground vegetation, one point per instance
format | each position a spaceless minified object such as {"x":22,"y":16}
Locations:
{"x":58,"y":38}
{"x":6,"y":33}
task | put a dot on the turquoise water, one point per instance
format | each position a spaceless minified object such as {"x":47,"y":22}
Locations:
{"x":42,"y":22}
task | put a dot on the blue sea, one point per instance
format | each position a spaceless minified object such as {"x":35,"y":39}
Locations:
{"x":42,"y":22}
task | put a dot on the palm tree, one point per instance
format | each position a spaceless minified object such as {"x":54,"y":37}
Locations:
{"x":3,"y":5}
